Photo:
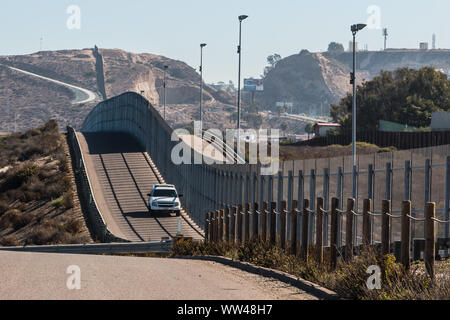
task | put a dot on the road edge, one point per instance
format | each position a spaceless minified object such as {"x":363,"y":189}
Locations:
{"x":307,"y":286}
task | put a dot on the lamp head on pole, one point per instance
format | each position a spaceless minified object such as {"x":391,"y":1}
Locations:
{"x":357,"y":27}
{"x":242,"y":17}
{"x":202,"y":45}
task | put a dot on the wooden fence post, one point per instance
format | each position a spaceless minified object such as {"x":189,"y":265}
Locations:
{"x":227,"y":224}
{"x":406,"y":234}
{"x":283,"y":224}
{"x":239,"y":225}
{"x":213,"y":226}
{"x":221,"y":223}
{"x":247,"y":223}
{"x":233,"y":218}
{"x":349,"y":229}
{"x":273,"y":219}
{"x":385,"y":227}
{"x":367,"y":223}
{"x":255,"y":221}
{"x":334,"y":232}
{"x":429,"y":255}
{"x":218,"y":225}
{"x":305,"y":228}
{"x":207,"y":217}
{"x":293,"y":229}
{"x":217,"y":229}
{"x":263,"y":231}
{"x":319,"y":230}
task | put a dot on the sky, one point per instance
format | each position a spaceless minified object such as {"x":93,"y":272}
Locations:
{"x":175,"y":28}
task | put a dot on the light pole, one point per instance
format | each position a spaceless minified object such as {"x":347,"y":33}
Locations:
{"x":164,"y":85}
{"x":202,"y":45}
{"x":354,"y":28}
{"x":241,"y":18}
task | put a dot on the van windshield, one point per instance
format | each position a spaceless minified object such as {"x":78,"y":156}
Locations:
{"x":164,"y":193}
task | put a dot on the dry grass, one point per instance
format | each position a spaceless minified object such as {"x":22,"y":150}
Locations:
{"x":291,"y":152}
{"x":349,"y":278}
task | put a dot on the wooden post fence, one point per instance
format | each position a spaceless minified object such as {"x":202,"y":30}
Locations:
{"x":293,"y":229}
{"x":247,"y":223}
{"x":227,"y":223}
{"x":221,"y":223}
{"x":305,"y":228}
{"x":283,"y":224}
{"x":334,"y":232}
{"x":349,"y":229}
{"x":367,"y":223}
{"x":406,"y":234}
{"x":239,"y":225}
{"x":233,"y":219}
{"x":207,"y":217}
{"x":273,"y":226}
{"x":212,"y":225}
{"x":385,"y":227}
{"x":429,"y":255}
{"x":319,"y":230}
{"x":255,"y":221}
{"x":263,"y":231}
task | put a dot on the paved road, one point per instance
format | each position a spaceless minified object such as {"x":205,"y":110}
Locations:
{"x":122,"y":175}
{"x":82,"y":95}
{"x":44,"y":276}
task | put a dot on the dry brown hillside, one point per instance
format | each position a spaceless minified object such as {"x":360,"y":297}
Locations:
{"x":31,"y":100}
{"x":312,"y":81}
{"x":38,"y":198}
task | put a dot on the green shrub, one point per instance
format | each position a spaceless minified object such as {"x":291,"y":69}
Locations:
{"x":65,"y":201}
{"x":58,"y":203}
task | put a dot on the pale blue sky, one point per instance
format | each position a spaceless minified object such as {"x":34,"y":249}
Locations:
{"x":175,"y":28}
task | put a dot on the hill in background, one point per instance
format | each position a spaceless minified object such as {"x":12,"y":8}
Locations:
{"x":312,"y":81}
{"x":26,"y":101}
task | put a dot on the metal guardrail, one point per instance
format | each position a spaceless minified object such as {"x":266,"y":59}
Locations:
{"x":163,"y":246}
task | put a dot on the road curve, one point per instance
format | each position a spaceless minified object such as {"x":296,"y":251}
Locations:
{"x":121,"y":175}
{"x":90,"y":96}
{"x":43,"y":276}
